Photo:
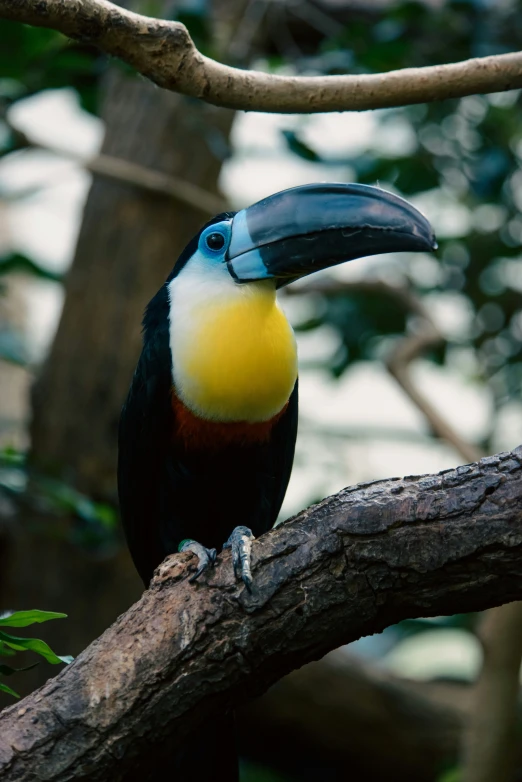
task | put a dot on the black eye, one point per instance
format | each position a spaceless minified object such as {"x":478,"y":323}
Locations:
{"x":215,"y":241}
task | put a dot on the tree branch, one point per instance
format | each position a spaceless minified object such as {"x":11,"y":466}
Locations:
{"x":356,"y":718}
{"x":410,"y":347}
{"x":130,"y":173}
{"x":163,"y":51}
{"x":365,"y":558}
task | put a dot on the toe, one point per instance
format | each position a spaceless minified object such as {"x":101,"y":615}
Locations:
{"x":206,"y":557}
{"x":240,"y":541}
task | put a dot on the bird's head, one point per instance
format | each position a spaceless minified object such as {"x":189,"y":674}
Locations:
{"x":233,"y":351}
{"x":299,"y":231}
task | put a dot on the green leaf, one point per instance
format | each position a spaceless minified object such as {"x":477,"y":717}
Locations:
{"x":5,"y":688}
{"x":452,"y":775}
{"x":25,"y":618}
{"x":10,"y":456}
{"x":33,"y":645}
{"x":6,"y":670}
{"x":5,"y":651}
{"x":16,"y":262}
{"x":299,"y":147}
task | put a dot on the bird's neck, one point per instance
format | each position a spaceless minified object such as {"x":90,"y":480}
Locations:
{"x":233,"y":351}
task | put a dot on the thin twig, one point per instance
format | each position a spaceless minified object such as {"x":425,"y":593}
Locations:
{"x":156,"y":182}
{"x":136,"y":175}
{"x":426,"y":337}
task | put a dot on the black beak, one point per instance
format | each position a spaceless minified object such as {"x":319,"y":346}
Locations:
{"x":300,"y":231}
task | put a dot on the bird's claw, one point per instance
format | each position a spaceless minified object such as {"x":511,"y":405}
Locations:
{"x":240,"y":541}
{"x":206,"y":556}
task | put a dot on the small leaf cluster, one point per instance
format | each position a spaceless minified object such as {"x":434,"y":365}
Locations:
{"x":93,"y":524}
{"x":11,"y":644}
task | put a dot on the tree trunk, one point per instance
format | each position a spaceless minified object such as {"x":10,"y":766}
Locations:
{"x":128,"y":243}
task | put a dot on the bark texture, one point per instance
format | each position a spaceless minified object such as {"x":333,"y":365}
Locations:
{"x":363,"y":559}
{"x":164,"y":52}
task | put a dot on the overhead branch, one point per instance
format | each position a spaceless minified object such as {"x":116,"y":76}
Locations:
{"x":164,"y":52}
{"x":357,"y":562}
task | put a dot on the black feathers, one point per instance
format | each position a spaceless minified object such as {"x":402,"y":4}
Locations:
{"x":169,"y":492}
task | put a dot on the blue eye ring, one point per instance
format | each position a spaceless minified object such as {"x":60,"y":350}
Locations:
{"x":215,"y":241}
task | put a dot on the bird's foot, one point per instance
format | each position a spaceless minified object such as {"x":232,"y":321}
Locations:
{"x":240,"y":542}
{"x":206,"y":556}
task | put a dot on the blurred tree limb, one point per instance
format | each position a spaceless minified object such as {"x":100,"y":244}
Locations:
{"x":357,"y":562}
{"x":423,"y":338}
{"x":131,"y":173}
{"x":164,"y":52}
{"x":357,"y":718}
{"x":412,"y":346}
{"x":491,"y":743}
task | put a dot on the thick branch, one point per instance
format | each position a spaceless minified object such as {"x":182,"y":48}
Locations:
{"x":164,"y":52}
{"x":357,"y":562}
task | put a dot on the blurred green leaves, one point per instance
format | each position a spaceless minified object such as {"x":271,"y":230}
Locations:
{"x":16,"y":262}
{"x":252,"y":772}
{"x":93,"y":525}
{"x":34,"y":59}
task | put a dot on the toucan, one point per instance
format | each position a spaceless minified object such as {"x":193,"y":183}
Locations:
{"x":207,"y":433}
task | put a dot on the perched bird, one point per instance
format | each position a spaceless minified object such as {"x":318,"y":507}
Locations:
{"x":207,"y":434}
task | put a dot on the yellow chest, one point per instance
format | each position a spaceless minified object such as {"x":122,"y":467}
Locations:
{"x":238,"y":362}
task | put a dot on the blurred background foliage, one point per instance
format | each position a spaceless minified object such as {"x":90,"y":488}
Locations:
{"x":460,"y":161}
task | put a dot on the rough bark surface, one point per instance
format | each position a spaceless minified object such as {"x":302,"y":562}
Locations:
{"x":164,"y":52}
{"x":361,"y":560}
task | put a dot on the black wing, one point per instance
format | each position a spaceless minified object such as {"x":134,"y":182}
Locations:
{"x":282,"y":448}
{"x":144,"y":441}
